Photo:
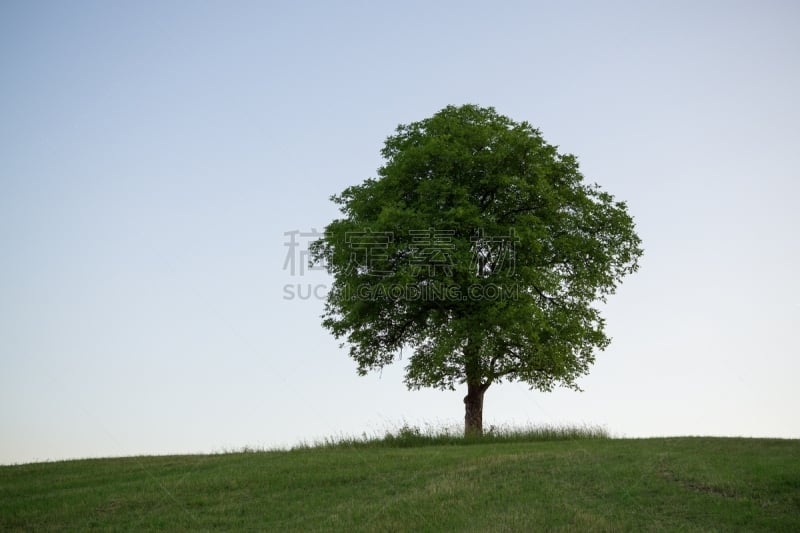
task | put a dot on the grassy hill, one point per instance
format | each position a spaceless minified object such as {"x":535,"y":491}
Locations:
{"x":396,"y":484}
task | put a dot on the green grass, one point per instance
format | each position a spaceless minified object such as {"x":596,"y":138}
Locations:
{"x":413,"y":480}
{"x":407,"y":436}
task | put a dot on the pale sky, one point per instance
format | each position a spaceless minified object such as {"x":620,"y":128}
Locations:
{"x":154,"y":154}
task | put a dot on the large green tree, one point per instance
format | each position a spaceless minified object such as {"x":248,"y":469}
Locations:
{"x":480,"y":250}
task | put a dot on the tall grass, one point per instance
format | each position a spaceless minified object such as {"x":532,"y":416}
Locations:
{"x":412,"y":436}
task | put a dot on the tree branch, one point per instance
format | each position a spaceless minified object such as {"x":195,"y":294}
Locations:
{"x":541,"y":293}
{"x":524,"y":209}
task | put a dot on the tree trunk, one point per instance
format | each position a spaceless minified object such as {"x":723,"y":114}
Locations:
{"x":476,"y":387}
{"x":473,"y":410}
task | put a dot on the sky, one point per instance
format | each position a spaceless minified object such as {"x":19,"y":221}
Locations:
{"x":156,"y":156}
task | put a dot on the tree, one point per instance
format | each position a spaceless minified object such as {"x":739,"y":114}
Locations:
{"x":481,"y":250}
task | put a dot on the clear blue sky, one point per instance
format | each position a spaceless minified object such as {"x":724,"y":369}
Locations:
{"x":153,"y":154}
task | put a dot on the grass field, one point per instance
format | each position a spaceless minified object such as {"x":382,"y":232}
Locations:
{"x":413,"y":482}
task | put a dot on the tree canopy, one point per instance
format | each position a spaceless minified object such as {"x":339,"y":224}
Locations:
{"x":479,"y":249}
